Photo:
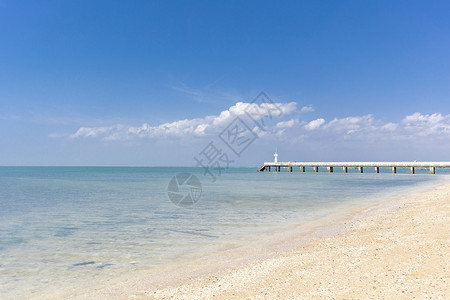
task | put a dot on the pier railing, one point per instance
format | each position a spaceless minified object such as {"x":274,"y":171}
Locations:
{"x":290,"y":166}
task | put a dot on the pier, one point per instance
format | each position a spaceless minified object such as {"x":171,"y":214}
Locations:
{"x":276,"y":166}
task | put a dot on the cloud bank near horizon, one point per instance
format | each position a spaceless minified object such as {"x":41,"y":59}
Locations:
{"x":364,"y":128}
{"x":188,"y":127}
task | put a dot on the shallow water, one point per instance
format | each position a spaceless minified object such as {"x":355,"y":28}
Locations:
{"x":63,"y":228}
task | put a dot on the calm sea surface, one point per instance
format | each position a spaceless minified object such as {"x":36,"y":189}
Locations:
{"x":62,"y":228}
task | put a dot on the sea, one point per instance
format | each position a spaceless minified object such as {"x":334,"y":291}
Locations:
{"x":66,"y":230}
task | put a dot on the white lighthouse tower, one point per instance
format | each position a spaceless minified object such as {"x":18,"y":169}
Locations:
{"x":275,"y":156}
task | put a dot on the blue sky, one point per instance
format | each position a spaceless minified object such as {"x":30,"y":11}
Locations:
{"x":374,"y":77}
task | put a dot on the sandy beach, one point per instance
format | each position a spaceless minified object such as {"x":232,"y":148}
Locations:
{"x":397,"y":249}
{"x":224,"y":150}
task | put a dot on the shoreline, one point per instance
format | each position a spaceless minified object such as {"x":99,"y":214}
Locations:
{"x":199,"y":278}
{"x":386,"y":249}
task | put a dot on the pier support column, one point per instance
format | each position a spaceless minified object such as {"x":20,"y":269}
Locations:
{"x":269,"y":168}
{"x":412,"y":170}
{"x":345,"y":169}
{"x":361,"y":169}
{"x":290,"y":169}
{"x":330,"y":169}
{"x":316,"y":169}
{"x":394,"y":170}
{"x":377,"y":170}
{"x":432,"y":170}
{"x":279,"y":169}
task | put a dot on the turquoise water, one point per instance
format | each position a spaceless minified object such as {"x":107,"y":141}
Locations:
{"x":62,"y":228}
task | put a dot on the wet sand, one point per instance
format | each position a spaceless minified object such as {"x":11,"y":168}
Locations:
{"x":397,"y":249}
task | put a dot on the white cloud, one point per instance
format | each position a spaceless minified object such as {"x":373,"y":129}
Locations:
{"x":188,"y":127}
{"x":367,"y":128}
{"x":281,"y":127}
{"x":389,"y":126}
{"x":361,"y":128}
{"x":351,"y":125}
{"x":307,"y":108}
{"x":315,"y":124}
{"x":424,"y":125}
{"x":287,"y":124}
{"x":413,"y":137}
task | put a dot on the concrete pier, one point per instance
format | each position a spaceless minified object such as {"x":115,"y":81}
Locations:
{"x":290,"y":166}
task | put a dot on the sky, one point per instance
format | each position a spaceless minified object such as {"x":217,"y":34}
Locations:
{"x":158,"y":83}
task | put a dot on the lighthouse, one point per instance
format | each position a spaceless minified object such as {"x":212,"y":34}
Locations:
{"x":275,"y":156}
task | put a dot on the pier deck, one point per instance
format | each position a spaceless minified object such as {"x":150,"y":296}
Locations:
{"x":276,"y":166}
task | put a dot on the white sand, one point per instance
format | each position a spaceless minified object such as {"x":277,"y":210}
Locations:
{"x":400,"y":249}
